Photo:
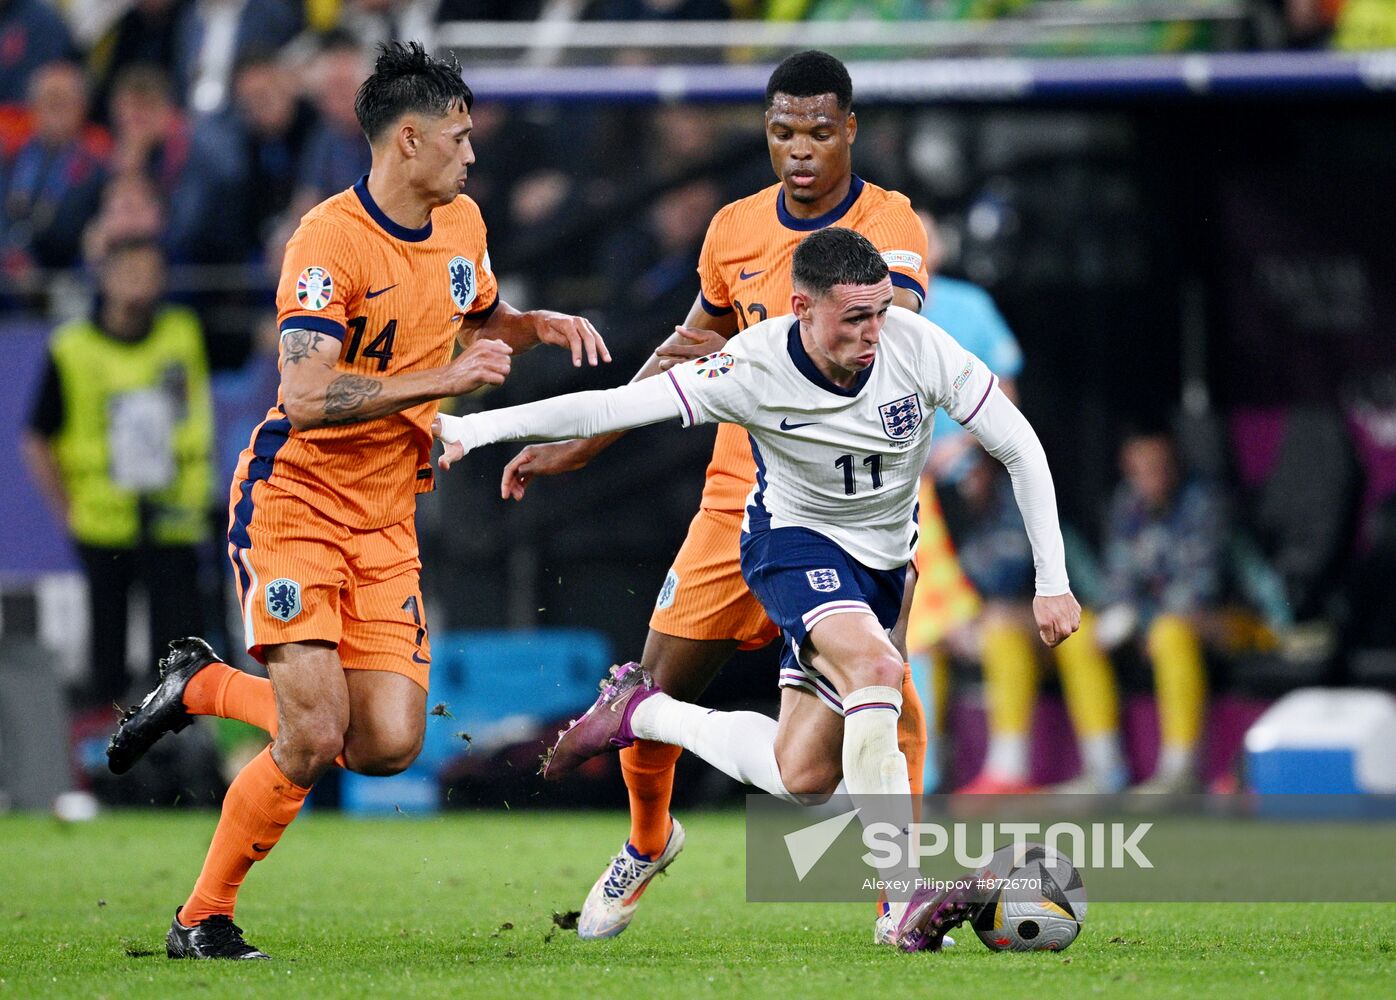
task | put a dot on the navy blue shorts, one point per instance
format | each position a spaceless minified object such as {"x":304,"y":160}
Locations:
{"x":801,"y":577}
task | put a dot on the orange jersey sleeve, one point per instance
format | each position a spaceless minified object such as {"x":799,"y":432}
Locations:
{"x":320,"y":276}
{"x":713,"y":288}
{"x":901,"y":239}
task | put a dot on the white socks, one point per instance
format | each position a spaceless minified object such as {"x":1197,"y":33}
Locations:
{"x":739,"y":744}
{"x":1176,"y":762}
{"x":1007,"y":758}
{"x":1103,"y":761}
{"x":875,"y":772}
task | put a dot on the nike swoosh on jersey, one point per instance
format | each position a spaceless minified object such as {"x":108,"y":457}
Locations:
{"x":370,"y":294}
{"x":743,"y":276}
{"x":786,"y":425}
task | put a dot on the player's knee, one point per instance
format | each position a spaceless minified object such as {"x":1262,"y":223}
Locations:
{"x":877,"y":670}
{"x":810,"y":781}
{"x":384,"y":755}
{"x":312,"y":745}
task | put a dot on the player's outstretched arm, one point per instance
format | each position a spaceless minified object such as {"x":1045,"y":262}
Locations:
{"x":525,"y":330}
{"x":316,"y":395}
{"x":1007,"y":435}
{"x":701,"y":334}
{"x":577,"y":414}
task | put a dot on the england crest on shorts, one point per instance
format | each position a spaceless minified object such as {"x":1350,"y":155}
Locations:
{"x":825,"y":581}
{"x":901,"y":417}
{"x":462,"y":282}
{"x":283,"y":599}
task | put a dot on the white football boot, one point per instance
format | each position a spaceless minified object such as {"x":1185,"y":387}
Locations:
{"x":612,"y":902}
{"x":885,"y":932}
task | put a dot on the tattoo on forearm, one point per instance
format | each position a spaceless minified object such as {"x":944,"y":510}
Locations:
{"x":347,"y":395}
{"x":297,"y":345}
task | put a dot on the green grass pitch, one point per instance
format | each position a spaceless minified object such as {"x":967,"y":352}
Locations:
{"x":463,"y":906}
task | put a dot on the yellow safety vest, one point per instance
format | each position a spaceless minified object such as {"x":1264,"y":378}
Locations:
{"x":100,"y":376}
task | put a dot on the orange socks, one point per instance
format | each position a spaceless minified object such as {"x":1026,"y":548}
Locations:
{"x":649,"y":778}
{"x":911,"y":740}
{"x":260,"y":803}
{"x":221,"y":690}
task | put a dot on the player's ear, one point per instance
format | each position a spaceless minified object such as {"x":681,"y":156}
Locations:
{"x":800,"y":305}
{"x":852,"y":127}
{"x":407,"y":139}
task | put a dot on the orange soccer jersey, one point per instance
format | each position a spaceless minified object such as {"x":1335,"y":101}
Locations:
{"x":745,"y":266}
{"x":395,"y":298}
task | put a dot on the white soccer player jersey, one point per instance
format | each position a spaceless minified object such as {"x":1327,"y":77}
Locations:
{"x":842,"y":462}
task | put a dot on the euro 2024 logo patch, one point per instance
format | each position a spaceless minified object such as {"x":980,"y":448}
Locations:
{"x":826,"y":581}
{"x":901,"y":417}
{"x":462,"y":282}
{"x":314,"y":288}
{"x":283,"y":599}
{"x":715,"y":365}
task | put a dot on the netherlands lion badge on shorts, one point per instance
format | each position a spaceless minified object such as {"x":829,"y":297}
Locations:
{"x":666,"y":592}
{"x":825,"y":581}
{"x":283,"y":598}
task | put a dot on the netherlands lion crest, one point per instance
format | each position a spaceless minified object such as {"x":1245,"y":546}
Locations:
{"x":283,"y":599}
{"x":901,"y":417}
{"x":462,"y":282}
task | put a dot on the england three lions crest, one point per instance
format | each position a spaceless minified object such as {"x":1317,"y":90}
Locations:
{"x":462,"y":282}
{"x":901,"y":417}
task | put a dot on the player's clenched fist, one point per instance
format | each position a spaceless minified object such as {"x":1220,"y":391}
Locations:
{"x":1057,"y":617}
{"x":485,"y":362}
{"x":572,"y":332}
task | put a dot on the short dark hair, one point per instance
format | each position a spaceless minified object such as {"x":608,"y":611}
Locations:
{"x":810,"y":74}
{"x":835,"y":256}
{"x":407,"y":80}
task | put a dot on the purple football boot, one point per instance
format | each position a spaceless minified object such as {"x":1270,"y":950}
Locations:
{"x":605,"y":726}
{"x":930,"y":914}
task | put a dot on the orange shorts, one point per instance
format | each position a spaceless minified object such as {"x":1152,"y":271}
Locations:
{"x":704,"y":596}
{"x":302,"y":576}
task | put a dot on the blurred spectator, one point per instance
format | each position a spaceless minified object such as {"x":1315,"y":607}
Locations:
{"x":243,"y":168}
{"x":50,"y":187}
{"x":373,"y":22}
{"x":336,"y":153}
{"x":659,"y":10}
{"x":945,"y":600}
{"x":1366,"y":24}
{"x":1164,"y":561}
{"x":144,"y":35}
{"x":215,"y":37}
{"x":651,"y":268}
{"x":997,"y":558}
{"x":119,"y":441}
{"x":32,"y":34}
{"x":131,"y":209}
{"x":967,"y":313}
{"x":149,"y":132}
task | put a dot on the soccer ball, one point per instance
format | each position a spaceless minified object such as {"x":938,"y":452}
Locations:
{"x":1040,"y":906}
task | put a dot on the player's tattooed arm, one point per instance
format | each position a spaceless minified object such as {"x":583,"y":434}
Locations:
{"x":316,"y":392}
{"x":347,"y":396}
{"x":297,"y":345}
